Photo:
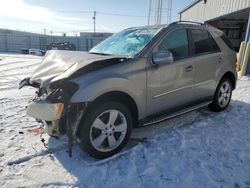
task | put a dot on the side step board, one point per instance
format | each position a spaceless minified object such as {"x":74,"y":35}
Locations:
{"x":172,"y":115}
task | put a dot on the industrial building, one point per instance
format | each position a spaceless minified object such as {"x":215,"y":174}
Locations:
{"x":231,"y":16}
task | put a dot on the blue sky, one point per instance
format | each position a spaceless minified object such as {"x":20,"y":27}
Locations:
{"x":73,"y":16}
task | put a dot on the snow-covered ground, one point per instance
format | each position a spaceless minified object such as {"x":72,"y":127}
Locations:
{"x":198,"y":149}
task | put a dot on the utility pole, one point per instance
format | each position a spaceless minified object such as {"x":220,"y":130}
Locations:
{"x":149,"y":11}
{"x":169,"y":11}
{"x":158,"y":12}
{"x":44,"y":31}
{"x":94,"y":18}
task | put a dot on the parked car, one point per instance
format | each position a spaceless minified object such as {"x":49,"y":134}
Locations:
{"x":37,"y":52}
{"x":137,"y":77}
{"x":61,"y":46}
{"x":24,"y":51}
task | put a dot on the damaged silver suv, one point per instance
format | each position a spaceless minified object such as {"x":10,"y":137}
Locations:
{"x":137,"y":77}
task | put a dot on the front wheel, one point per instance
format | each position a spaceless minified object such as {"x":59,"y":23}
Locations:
{"x":106,"y":129}
{"x":222,"y":95}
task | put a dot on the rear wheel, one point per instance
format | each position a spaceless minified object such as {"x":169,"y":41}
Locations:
{"x":106,"y":129}
{"x":222,"y":96}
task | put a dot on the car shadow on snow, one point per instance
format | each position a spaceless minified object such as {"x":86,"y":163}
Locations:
{"x":89,"y":171}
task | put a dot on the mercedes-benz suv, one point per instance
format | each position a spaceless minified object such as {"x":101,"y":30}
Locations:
{"x":137,"y":77}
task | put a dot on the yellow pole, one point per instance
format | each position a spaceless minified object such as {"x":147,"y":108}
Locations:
{"x":245,"y":60}
{"x":240,"y":56}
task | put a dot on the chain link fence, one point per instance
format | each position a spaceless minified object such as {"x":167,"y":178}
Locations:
{"x":14,"y":42}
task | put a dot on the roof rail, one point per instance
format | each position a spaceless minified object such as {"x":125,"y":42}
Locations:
{"x":191,"y":22}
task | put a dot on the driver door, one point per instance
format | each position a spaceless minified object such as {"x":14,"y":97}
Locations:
{"x":170,"y":85}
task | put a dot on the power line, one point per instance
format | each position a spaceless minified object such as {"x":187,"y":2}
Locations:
{"x":124,"y":15}
{"x":100,"y":12}
{"x":74,"y":11}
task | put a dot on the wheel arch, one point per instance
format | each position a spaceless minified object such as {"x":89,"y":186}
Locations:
{"x":228,"y":74}
{"x":231,"y":76}
{"x":121,"y":97}
{"x":117,"y":96}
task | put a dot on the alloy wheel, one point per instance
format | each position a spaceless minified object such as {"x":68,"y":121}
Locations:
{"x":224,"y":94}
{"x":108,"y":130}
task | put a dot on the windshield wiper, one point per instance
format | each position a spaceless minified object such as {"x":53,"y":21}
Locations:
{"x":99,"y":53}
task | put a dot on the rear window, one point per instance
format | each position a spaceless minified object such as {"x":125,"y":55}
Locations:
{"x":203,"y":42}
{"x":214,"y":45}
{"x":227,"y":41}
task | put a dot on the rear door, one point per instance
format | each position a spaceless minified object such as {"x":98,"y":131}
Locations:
{"x":208,"y":58}
{"x":170,"y":85}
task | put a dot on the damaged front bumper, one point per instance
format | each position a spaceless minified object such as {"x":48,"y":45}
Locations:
{"x":52,"y":107}
{"x":54,"y":110}
{"x":44,"y":110}
{"x":47,"y":113}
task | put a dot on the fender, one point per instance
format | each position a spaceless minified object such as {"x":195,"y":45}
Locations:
{"x":91,"y":91}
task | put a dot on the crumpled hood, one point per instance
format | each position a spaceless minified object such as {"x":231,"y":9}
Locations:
{"x":56,"y":62}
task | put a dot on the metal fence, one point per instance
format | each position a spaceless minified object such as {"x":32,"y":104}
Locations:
{"x":14,"y":43}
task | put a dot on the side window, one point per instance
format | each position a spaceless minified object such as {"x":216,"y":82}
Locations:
{"x":214,"y":45}
{"x":203,"y":42}
{"x":200,"y":41}
{"x":177,"y":43}
{"x":227,"y":41}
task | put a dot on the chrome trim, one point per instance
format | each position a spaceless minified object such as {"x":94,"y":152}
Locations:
{"x":181,"y":88}
{"x":204,"y":83}
{"x":172,"y":91}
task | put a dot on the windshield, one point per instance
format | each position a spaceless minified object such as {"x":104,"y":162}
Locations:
{"x":126,"y":43}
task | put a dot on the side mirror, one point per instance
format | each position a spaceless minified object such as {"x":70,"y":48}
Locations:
{"x":162,"y":57}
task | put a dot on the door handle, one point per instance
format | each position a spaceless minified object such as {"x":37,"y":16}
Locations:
{"x":220,"y":59}
{"x":189,"y":68}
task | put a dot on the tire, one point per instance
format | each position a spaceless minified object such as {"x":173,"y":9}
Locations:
{"x":106,"y":129}
{"x":222,"y":95}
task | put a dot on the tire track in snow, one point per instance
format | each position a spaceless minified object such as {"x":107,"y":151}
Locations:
{"x":17,"y":56}
{"x":37,"y":154}
{"x":19,"y":74}
{"x":13,"y":63}
{"x":15,"y":102}
{"x":21,"y":67}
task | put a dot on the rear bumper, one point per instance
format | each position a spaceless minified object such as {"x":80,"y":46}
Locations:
{"x":44,"y":110}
